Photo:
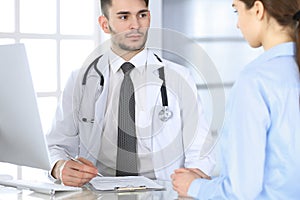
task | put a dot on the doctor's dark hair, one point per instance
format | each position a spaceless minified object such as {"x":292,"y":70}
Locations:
{"x":105,"y":4}
{"x":286,"y":13}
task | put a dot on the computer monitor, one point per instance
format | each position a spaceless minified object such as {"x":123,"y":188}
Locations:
{"x":22,"y":141}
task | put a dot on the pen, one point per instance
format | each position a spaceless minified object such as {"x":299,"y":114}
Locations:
{"x":76,"y":160}
{"x":131,"y":188}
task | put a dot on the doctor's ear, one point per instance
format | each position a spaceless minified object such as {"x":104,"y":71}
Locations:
{"x":104,"y":24}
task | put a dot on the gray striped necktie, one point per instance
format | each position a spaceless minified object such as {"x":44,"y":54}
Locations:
{"x":126,"y":154}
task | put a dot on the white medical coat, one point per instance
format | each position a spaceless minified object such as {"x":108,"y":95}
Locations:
{"x":178,"y":142}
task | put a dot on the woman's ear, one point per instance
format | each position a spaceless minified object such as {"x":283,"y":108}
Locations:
{"x":259,"y":10}
{"x":102,"y":20}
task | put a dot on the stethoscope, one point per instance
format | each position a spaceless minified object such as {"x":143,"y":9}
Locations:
{"x":164,"y":115}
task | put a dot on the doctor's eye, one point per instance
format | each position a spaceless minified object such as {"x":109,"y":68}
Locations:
{"x":123,"y":17}
{"x":143,"y":15}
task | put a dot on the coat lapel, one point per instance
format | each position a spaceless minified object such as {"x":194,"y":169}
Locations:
{"x":103,"y":67}
{"x":153,"y":81}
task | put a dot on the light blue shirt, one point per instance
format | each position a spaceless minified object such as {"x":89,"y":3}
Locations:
{"x":261,"y":135}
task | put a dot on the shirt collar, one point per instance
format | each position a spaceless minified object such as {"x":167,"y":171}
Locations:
{"x":139,"y":61}
{"x":284,"y":49}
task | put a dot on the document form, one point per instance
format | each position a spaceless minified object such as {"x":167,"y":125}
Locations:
{"x":124,"y":183}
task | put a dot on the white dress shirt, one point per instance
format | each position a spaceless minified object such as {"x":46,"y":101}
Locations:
{"x":108,"y":151}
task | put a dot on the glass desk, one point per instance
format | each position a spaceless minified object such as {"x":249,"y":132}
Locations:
{"x":7,"y":193}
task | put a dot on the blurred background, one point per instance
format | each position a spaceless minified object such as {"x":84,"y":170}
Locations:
{"x":60,"y":34}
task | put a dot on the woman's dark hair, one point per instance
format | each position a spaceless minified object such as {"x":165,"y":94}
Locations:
{"x":284,"y":12}
{"x":105,"y":4}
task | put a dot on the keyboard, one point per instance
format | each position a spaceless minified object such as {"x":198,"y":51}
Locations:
{"x":41,"y":187}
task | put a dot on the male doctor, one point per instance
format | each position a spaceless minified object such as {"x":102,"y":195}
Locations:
{"x":160,"y":128}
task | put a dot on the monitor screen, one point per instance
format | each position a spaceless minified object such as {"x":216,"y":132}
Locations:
{"x":22,"y":141}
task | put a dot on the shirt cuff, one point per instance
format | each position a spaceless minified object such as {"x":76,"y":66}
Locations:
{"x":203,"y":188}
{"x":194,"y":188}
{"x":51,"y":178}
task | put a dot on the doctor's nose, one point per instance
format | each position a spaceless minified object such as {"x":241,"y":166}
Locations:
{"x":135,"y":24}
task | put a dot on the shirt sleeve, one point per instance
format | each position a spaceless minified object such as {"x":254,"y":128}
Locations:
{"x":206,"y":187}
{"x":243,"y":145}
{"x":197,"y":138}
{"x":63,"y":133}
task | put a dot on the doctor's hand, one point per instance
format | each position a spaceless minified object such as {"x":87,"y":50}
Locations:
{"x":73,"y":173}
{"x":183,"y":177}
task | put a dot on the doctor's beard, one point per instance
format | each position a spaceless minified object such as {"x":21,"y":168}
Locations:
{"x":118,"y":39}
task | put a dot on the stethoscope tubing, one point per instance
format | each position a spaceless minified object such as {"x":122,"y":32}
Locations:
{"x":165,"y":114}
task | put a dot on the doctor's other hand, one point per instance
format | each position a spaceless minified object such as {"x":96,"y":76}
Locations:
{"x":183,"y":177}
{"x":74,"y":173}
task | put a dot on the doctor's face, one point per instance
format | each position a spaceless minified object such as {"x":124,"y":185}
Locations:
{"x":127,"y":22}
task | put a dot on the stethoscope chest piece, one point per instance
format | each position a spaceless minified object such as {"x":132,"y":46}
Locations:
{"x":165,"y":114}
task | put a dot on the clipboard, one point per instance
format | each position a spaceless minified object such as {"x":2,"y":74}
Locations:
{"x":124,"y":184}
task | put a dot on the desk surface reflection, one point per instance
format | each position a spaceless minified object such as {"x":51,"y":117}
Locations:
{"x":87,"y":194}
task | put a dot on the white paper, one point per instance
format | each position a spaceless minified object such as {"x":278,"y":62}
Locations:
{"x":130,"y":182}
